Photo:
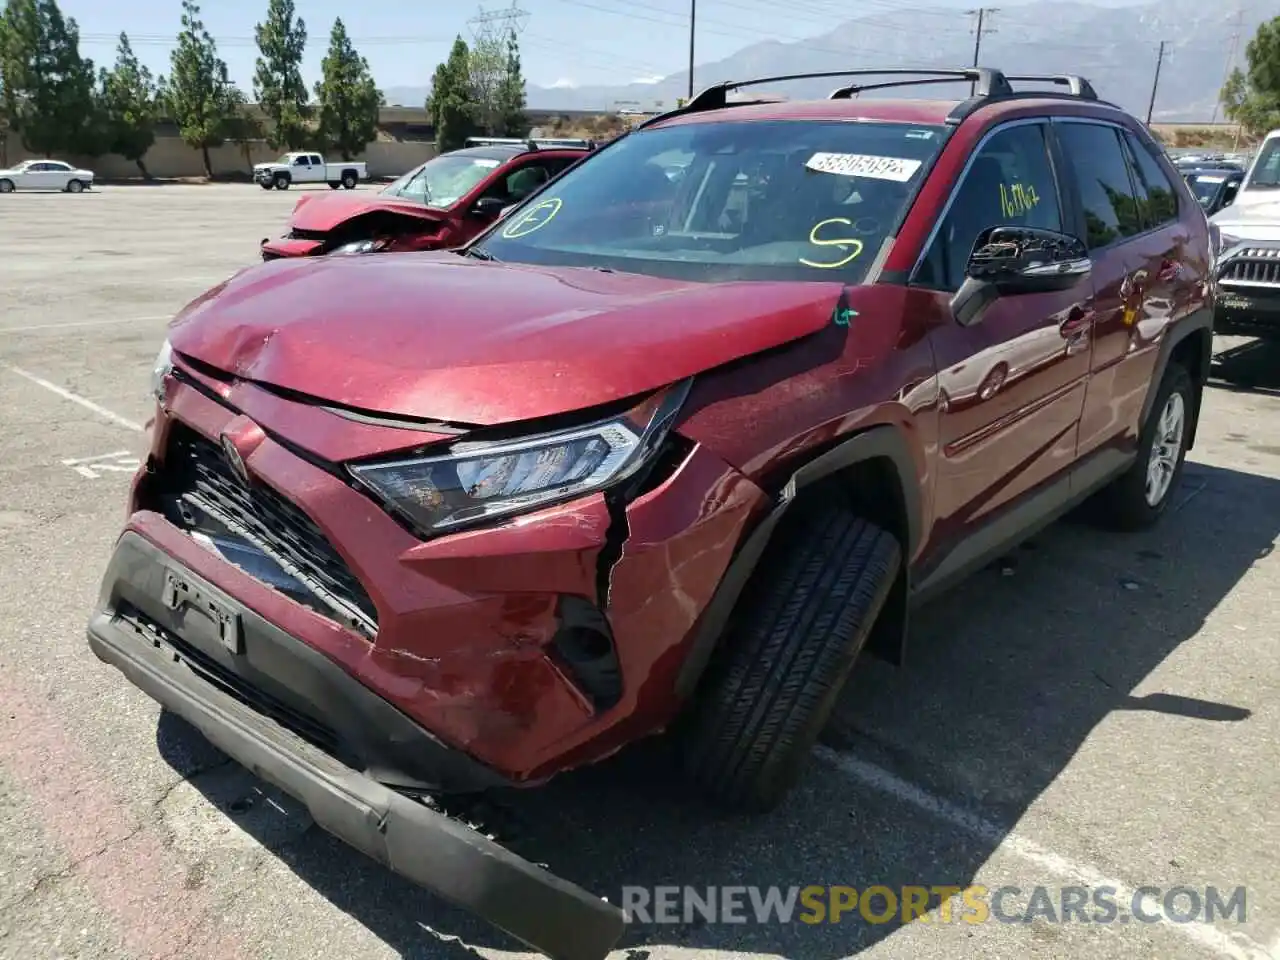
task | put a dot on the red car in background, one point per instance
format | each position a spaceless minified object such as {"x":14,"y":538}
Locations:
{"x":443,"y":203}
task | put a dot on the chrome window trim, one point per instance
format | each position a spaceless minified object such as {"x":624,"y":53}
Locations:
{"x":964,"y":172}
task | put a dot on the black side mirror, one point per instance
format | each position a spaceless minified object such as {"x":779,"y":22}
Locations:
{"x":488,"y":206}
{"x":1008,"y":261}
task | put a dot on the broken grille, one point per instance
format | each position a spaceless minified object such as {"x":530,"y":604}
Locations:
{"x":196,"y":470}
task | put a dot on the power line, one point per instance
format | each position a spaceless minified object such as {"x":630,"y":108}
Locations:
{"x":1155,"y":83}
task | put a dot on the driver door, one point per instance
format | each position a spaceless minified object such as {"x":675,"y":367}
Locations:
{"x":1012,"y":385}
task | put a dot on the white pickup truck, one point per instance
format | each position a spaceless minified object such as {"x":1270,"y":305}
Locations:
{"x":308,"y":168}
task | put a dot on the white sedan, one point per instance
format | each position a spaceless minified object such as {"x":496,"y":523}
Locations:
{"x":45,"y":175}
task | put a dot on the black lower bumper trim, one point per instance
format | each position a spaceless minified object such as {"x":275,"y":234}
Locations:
{"x":534,"y":906}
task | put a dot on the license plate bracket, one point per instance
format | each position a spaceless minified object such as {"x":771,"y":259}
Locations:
{"x":180,"y":593}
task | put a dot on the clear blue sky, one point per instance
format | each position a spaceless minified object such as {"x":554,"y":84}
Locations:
{"x":569,"y":42}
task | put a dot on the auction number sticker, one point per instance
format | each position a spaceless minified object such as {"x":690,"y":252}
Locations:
{"x":864,"y":165}
{"x":535,"y":218}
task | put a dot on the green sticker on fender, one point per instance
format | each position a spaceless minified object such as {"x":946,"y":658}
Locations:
{"x":535,"y":218}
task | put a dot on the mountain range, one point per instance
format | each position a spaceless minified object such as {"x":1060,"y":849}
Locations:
{"x":1114,"y":47}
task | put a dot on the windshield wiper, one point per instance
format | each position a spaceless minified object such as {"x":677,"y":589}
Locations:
{"x":478,"y":253}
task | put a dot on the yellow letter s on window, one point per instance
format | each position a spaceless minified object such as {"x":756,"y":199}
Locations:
{"x":849,"y":245}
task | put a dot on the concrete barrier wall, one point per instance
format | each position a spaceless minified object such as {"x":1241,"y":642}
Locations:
{"x":170,"y":157}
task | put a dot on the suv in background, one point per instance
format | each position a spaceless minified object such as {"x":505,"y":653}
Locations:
{"x":1248,"y":243}
{"x":656,"y":451}
{"x":442,"y":203}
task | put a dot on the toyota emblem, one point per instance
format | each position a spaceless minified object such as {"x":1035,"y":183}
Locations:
{"x":234,"y":459}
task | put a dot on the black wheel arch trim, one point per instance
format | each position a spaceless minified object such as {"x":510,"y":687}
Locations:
{"x":875,"y":443}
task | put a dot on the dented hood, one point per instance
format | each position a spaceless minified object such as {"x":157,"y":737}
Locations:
{"x":437,"y":336}
{"x":324,"y":211}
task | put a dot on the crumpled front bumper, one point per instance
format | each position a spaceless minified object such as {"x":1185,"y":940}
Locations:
{"x":290,"y":247}
{"x":190,"y":646}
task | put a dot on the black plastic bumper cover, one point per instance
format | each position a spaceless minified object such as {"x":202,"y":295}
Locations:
{"x":536,"y":907}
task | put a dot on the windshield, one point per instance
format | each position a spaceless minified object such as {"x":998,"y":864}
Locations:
{"x":444,"y":180}
{"x":760,"y":200}
{"x":1206,"y":187}
{"x":1266,"y":171}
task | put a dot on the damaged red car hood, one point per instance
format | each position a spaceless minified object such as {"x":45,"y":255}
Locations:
{"x":323,"y":212}
{"x":438,"y":336}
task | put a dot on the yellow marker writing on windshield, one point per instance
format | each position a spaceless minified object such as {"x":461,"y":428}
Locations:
{"x":850,"y":244}
{"x":535,"y":218}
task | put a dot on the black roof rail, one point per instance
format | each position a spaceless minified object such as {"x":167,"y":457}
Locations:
{"x":988,"y":85}
{"x":716,"y":97}
{"x":1079,"y":86}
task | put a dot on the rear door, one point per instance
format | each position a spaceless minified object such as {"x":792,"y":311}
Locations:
{"x":1134,"y":270}
{"x":41,"y":176}
{"x":1012,"y":385}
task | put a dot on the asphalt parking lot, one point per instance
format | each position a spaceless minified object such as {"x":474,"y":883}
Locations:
{"x":1099,"y":710}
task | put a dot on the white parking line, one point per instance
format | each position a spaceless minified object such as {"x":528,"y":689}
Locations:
{"x":82,"y":323}
{"x":76,"y":398}
{"x":1232,"y":945}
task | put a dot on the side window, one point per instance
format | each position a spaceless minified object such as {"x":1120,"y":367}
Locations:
{"x":520,"y":183}
{"x":300,"y":162}
{"x":1161,"y":199}
{"x":317,"y":160}
{"x":1010,"y":182}
{"x":1102,"y":176}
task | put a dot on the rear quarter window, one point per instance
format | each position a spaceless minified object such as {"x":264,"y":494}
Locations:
{"x":1160,"y":204}
{"x":1111,"y":210}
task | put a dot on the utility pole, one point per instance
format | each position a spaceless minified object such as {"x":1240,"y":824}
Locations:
{"x":1231,"y":59}
{"x":1156,"y":82}
{"x":982,"y":28}
{"x":693,"y":19}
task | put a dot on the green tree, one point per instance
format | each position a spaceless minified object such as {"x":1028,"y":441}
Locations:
{"x":512,"y":119}
{"x":452,"y":104}
{"x":48,"y":88}
{"x":200,"y":98}
{"x":243,"y":126}
{"x":349,"y":99}
{"x":130,"y":106}
{"x":1251,"y":97}
{"x":277,"y":79}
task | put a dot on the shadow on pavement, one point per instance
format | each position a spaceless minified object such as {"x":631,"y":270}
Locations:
{"x":1005,"y":680}
{"x":1251,"y":367}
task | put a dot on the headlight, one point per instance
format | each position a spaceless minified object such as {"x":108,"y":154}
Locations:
{"x":473,"y":483}
{"x":161,"y":369}
{"x":1226,"y":241}
{"x":360,"y":246}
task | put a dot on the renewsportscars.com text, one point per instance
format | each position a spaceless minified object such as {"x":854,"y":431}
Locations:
{"x":932,"y":904}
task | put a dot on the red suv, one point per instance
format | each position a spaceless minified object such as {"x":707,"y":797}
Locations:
{"x":443,"y":203}
{"x":668,"y":447}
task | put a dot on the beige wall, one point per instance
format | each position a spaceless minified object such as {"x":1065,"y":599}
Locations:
{"x":170,"y":157}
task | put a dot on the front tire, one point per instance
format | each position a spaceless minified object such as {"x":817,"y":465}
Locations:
{"x":265,"y":184}
{"x":786,"y":656}
{"x":281,"y":182}
{"x":335,"y":184}
{"x":6,"y":186}
{"x":75,"y":186}
{"x":1141,"y":495}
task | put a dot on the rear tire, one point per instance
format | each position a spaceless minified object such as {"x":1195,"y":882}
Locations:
{"x":6,"y":186}
{"x":281,"y":182}
{"x":75,"y":186}
{"x":785,"y":657}
{"x":1141,"y":495}
{"x":349,"y":180}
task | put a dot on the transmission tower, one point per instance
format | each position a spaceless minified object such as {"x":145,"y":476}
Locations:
{"x":488,"y":25}
{"x":1231,"y":58}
